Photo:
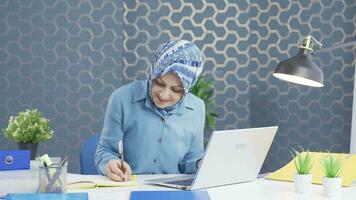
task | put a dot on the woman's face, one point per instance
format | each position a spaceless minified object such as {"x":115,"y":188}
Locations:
{"x":166,"y":90}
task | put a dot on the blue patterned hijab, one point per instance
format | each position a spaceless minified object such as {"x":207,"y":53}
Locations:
{"x":182,"y":58}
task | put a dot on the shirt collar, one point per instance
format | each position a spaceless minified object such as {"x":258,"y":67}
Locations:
{"x":141,"y":92}
{"x":188,"y":103}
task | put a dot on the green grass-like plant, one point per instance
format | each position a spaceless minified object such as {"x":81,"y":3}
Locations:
{"x":331,"y":166}
{"x":28,"y":127}
{"x":302,"y":161}
{"x":205,"y":91}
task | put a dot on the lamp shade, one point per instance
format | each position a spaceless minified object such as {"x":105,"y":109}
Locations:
{"x":300,"y":69}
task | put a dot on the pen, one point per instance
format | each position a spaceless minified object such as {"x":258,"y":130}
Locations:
{"x":46,"y":169}
{"x":121,"y":152}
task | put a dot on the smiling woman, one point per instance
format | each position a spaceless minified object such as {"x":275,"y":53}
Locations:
{"x":166,"y":90}
{"x":159,"y":121}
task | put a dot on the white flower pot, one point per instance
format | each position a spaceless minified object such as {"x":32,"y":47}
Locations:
{"x":302,"y":183}
{"x":332,"y":186}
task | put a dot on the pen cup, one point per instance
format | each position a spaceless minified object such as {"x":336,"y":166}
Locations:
{"x":53,"y":179}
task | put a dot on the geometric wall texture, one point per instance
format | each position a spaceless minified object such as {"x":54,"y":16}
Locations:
{"x":242,"y":42}
{"x":63,"y":58}
{"x":66,"y":57}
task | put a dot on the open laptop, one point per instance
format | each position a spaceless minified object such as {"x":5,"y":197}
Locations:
{"x":232,"y":156}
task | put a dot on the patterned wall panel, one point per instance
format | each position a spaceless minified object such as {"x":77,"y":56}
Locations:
{"x":242,"y":42}
{"x":63,"y":58}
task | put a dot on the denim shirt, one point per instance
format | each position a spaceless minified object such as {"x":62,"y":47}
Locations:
{"x":152,"y":143}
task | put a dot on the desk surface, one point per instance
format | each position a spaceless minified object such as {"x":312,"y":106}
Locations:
{"x":260,"y":189}
{"x":13,"y":181}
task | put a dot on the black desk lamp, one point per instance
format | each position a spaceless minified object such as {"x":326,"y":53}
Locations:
{"x":301,"y":69}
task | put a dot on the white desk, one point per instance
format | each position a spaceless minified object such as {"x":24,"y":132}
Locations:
{"x":260,"y":189}
{"x":27,"y":180}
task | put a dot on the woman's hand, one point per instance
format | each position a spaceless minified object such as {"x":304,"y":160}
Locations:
{"x":199,"y":163}
{"x":116,"y":173}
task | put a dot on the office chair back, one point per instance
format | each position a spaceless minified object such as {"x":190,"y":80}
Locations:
{"x":87,"y":151}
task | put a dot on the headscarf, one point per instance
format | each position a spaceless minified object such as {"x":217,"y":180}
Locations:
{"x":182,"y":58}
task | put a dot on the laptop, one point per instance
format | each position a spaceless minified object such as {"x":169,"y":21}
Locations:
{"x":232,"y":156}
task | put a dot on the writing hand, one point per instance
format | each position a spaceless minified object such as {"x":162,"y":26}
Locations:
{"x":116,"y":172}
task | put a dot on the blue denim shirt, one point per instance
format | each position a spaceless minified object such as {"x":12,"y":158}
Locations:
{"x":152,"y":143}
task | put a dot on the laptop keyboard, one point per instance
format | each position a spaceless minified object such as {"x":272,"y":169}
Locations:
{"x":185,"y":182}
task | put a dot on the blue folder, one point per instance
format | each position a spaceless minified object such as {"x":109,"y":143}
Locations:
{"x":169,"y":195}
{"x":14,"y":159}
{"x":47,"y":196}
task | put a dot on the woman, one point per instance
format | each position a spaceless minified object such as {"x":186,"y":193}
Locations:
{"x":160,"y":123}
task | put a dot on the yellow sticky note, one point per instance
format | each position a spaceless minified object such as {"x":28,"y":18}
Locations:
{"x":46,"y":159}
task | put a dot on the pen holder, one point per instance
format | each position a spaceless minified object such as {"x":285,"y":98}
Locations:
{"x":53,"y":179}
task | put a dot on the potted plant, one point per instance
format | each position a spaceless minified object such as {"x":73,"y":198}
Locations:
{"x":303,"y":164}
{"x":205,"y":90}
{"x":331,"y":167}
{"x":29,"y":128}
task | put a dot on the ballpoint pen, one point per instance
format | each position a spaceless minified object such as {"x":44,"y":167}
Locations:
{"x":121,"y":152}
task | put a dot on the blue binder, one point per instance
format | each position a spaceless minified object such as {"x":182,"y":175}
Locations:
{"x":14,"y":159}
{"x":47,"y":196}
{"x":171,"y":195}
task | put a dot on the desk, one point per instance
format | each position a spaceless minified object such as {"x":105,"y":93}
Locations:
{"x":259,"y":189}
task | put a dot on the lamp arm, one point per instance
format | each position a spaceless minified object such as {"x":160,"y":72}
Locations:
{"x":308,"y":42}
{"x":337,"y":46}
{"x":316,"y":41}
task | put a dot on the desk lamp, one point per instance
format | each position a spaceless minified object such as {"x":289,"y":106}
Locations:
{"x":301,"y":69}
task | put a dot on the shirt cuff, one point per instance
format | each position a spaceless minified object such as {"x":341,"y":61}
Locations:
{"x":103,"y":163}
{"x":190,"y":167}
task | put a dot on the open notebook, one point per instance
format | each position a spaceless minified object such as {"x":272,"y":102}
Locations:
{"x":78,"y":181}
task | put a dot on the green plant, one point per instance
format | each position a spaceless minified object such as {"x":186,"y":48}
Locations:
{"x":331,"y":166}
{"x":205,"y":91}
{"x":302,"y":161}
{"x":28,"y":126}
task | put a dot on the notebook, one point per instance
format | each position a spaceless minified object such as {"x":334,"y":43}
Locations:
{"x":93,"y":181}
{"x":348,"y":172}
{"x":171,"y":195}
{"x":47,"y":196}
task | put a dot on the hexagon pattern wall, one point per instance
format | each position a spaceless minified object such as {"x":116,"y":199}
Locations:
{"x":242,"y":42}
{"x":64,"y":58}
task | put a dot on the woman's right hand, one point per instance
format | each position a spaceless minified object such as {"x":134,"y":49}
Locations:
{"x":117,"y":173}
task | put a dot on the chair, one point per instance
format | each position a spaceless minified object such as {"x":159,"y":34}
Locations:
{"x":87,"y":151}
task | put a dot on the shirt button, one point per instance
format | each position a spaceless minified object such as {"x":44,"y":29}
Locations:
{"x":160,"y":140}
{"x":154,"y":160}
